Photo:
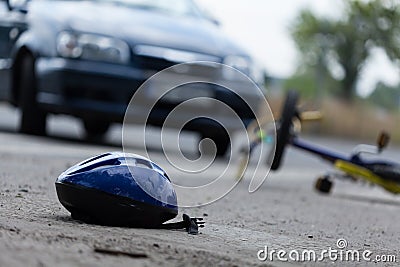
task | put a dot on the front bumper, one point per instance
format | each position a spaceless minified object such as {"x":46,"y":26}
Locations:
{"x":86,"y":89}
{"x":93,"y":90}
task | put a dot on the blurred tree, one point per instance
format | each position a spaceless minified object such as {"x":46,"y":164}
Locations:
{"x":340,"y":48}
{"x":308,"y":85}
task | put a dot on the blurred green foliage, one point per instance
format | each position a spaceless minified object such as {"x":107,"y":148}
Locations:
{"x":334,"y":51}
{"x":386,"y":97}
{"x":312,"y":84}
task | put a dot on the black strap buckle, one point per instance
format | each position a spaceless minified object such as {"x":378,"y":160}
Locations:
{"x":191,"y":225}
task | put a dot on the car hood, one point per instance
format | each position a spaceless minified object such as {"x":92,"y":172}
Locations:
{"x":135,"y":26}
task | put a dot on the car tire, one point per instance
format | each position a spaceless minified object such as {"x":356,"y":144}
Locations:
{"x":283,"y":133}
{"x":95,"y":129}
{"x":221,"y":140}
{"x":33,"y":119}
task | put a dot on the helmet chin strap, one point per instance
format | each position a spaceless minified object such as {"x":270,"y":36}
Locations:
{"x":191,"y":225}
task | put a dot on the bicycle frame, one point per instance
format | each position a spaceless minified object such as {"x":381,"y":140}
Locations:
{"x":331,"y":156}
{"x":324,"y":153}
{"x":352,"y":165}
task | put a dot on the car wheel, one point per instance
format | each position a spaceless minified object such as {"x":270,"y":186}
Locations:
{"x":221,"y":140}
{"x":95,"y":129}
{"x":285,"y":125}
{"x":33,"y":119}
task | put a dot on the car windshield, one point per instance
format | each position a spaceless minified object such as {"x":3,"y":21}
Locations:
{"x":173,"y":7}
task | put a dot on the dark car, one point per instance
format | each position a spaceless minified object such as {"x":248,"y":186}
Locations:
{"x":87,"y":58}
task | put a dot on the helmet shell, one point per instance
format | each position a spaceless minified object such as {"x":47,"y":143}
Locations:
{"x":118,"y":189}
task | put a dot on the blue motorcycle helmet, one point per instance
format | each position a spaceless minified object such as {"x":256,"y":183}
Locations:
{"x":121,"y":189}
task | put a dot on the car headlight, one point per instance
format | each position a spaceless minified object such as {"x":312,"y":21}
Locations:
{"x":244,"y":65}
{"x":92,"y":47}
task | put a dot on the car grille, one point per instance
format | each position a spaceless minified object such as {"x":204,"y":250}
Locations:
{"x":158,"y":58}
{"x":153,"y":63}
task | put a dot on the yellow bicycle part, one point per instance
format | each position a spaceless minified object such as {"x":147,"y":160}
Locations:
{"x":311,"y":116}
{"x":358,"y":171}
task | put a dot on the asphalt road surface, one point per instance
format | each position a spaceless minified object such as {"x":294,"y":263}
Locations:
{"x":284,"y":214}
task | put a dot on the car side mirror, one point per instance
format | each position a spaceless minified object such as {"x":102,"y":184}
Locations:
{"x":383,"y":140}
{"x":18,"y":5}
